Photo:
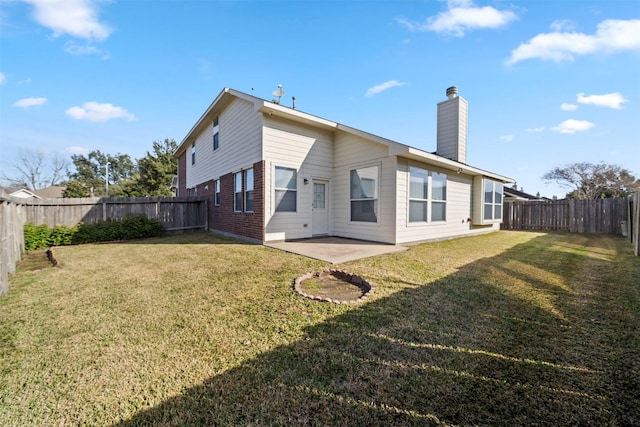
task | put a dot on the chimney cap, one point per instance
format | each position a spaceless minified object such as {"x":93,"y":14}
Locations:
{"x":452,"y":92}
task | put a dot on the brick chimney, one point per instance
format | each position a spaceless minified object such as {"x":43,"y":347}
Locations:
{"x":452,"y":127}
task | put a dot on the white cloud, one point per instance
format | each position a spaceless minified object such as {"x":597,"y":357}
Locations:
{"x":506,"y":138}
{"x":76,"y":150}
{"x":535,"y":130}
{"x":573,"y":126}
{"x":77,"y":18}
{"x":461,"y":16}
{"x":76,"y":49}
{"x":563,"y":25}
{"x":384,"y":86}
{"x":99,"y":112}
{"x":610,"y":100}
{"x":568,"y":107}
{"x":30,"y":102}
{"x":3,"y":78}
{"x":612,"y":35}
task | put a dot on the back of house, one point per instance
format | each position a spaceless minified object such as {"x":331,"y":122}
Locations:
{"x":274,"y":173}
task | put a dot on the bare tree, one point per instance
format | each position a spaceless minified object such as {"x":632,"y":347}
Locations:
{"x":593,"y":181}
{"x":36,"y":170}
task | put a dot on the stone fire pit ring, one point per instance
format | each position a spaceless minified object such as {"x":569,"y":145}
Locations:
{"x":365,"y":287}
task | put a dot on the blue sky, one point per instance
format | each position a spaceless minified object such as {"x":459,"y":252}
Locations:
{"x":548,"y":82}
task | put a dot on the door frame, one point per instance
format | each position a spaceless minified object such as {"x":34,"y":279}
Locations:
{"x":326,"y":183}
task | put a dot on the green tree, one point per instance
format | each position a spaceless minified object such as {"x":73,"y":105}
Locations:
{"x":593,"y":180}
{"x":76,"y":189}
{"x":155,"y":171}
{"x":90,"y":171}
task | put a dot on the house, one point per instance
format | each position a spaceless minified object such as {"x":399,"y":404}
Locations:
{"x":274,"y":173}
{"x":51,"y":192}
{"x":512,"y":194}
{"x":23,"y":193}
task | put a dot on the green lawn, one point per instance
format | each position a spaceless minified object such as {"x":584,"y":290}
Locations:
{"x":509,"y":328}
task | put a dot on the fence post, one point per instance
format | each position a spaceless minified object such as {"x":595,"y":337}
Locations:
{"x":636,"y":224}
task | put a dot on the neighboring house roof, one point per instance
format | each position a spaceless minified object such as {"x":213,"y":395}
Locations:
{"x":51,"y":192}
{"x":521,"y":195}
{"x":271,"y":108}
{"x":23,"y":193}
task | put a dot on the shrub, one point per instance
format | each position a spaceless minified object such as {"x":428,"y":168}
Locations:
{"x":35,"y":236}
{"x":61,"y":235}
{"x":131,"y":227}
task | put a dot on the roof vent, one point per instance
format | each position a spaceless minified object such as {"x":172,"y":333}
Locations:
{"x":452,"y":92}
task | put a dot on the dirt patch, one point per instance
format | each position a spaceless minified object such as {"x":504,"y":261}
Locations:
{"x":34,"y":261}
{"x":334,"y":286}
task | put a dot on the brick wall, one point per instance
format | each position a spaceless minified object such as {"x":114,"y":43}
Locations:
{"x":182,"y":175}
{"x":223,"y":217}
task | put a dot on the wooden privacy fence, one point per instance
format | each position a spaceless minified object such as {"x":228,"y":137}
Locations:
{"x":634,"y":222}
{"x":11,"y":239}
{"x":576,"y":216}
{"x":173,"y":213}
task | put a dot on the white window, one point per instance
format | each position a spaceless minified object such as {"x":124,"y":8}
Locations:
{"x":418,"y":194}
{"x":216,"y":195}
{"x":248,"y":191}
{"x":237,"y":192}
{"x":216,"y":136}
{"x":364,"y":194}
{"x":193,"y":153}
{"x":438,"y":197}
{"x":492,"y":200}
{"x":427,"y":195}
{"x":285,"y":188}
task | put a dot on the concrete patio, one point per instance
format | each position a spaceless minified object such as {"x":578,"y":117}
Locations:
{"x":336,"y":250}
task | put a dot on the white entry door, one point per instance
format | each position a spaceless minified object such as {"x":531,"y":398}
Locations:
{"x":320,"y":219}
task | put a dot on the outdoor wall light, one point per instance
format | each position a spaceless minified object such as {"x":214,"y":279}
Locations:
{"x":306,"y":181}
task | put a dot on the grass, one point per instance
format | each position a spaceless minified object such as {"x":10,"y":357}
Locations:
{"x":510,"y":328}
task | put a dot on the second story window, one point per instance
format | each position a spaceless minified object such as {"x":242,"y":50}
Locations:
{"x":193,"y":153}
{"x":216,"y":134}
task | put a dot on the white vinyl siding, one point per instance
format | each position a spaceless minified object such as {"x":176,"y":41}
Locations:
{"x":308,"y":151}
{"x":355,"y":152}
{"x":240,"y":133}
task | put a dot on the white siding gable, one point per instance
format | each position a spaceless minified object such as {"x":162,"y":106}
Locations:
{"x":352,"y":152}
{"x":307,"y":149}
{"x":240,"y":144}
